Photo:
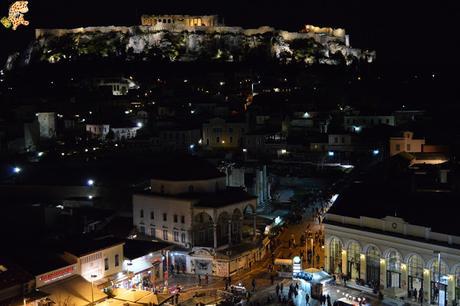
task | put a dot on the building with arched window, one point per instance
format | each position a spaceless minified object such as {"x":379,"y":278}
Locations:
{"x":394,"y":256}
{"x":192,"y":207}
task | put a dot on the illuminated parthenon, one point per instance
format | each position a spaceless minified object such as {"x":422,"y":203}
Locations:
{"x":185,"y":20}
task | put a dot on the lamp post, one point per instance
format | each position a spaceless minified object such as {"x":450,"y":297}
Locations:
{"x":439,"y":275}
{"x":312,"y":253}
{"x":92,"y":291}
{"x":129,"y":264}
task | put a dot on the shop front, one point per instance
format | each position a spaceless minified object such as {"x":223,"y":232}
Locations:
{"x":143,"y":273}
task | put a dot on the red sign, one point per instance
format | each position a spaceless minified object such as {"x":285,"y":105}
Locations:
{"x":57,"y":274}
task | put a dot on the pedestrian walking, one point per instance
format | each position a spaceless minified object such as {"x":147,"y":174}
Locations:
{"x":328,"y":299}
{"x":277,"y":289}
{"x":206,"y":278}
{"x":199,"y":280}
{"x":272,"y":278}
{"x":307,"y":298}
{"x":253,"y":284}
{"x":281,"y":287}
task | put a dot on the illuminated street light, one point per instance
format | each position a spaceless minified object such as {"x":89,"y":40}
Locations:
{"x":330,"y":153}
{"x":17,"y":170}
{"x":139,"y":124}
{"x":90,"y":182}
{"x":192,"y":146}
{"x":376,"y":152}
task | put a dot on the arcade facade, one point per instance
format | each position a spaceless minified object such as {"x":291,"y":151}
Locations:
{"x":394,"y":257}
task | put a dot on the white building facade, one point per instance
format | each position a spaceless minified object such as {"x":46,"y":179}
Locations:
{"x":203,"y":216}
{"x":394,"y":256}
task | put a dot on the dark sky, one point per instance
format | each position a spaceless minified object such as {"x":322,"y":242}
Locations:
{"x":403,"y":31}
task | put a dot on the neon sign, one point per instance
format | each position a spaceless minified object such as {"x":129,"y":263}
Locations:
{"x":50,"y":277}
{"x":16,"y":15}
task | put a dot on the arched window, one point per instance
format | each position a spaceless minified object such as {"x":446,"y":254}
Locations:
{"x":415,"y":273}
{"x":393,"y":261}
{"x":435,"y":270}
{"x":353,"y":260}
{"x":335,"y":260}
{"x":373,"y":267}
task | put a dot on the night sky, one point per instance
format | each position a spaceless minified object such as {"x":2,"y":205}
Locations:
{"x":402,"y":32}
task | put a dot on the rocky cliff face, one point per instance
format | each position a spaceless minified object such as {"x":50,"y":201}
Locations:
{"x":217,"y":44}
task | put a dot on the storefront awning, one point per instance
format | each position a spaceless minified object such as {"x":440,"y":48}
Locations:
{"x":139,"y":266}
{"x":283,"y":262}
{"x":73,"y":291}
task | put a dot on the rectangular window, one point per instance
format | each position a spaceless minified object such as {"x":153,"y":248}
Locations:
{"x":343,"y":139}
{"x":231,"y":139}
{"x":153,"y":232}
{"x":408,"y":147}
{"x":141,"y":213}
{"x":398,"y":147}
{"x":182,"y":219}
{"x":336,"y":139}
{"x":176,"y":236}
{"x":387,"y":121}
{"x":165,"y":217}
{"x":182,"y":237}
{"x":142,"y":229}
{"x":117,"y":260}
{"x":165,"y":234}
{"x":217,"y":139}
{"x":175,"y":218}
{"x":106,"y":264}
{"x":152,"y":215}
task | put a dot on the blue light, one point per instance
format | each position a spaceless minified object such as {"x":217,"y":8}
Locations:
{"x":330,"y":153}
{"x":17,"y":170}
{"x":90,"y":182}
{"x":376,"y":152}
{"x":192,"y":146}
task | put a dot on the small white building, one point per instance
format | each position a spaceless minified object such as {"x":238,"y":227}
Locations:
{"x":355,"y":123}
{"x":221,"y":133}
{"x":97,"y":260}
{"x":118,"y":86}
{"x":47,"y":125}
{"x":98,"y":131}
{"x":406,"y":143}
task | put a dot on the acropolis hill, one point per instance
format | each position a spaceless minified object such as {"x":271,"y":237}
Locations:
{"x":190,"y":38}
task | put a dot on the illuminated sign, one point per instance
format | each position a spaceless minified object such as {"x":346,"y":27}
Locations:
{"x":16,"y":15}
{"x":55,"y":275}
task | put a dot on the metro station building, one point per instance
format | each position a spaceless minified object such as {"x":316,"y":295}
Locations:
{"x":418,"y":249}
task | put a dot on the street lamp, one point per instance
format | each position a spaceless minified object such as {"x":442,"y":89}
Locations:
{"x":129,"y":264}
{"x":90,"y":182}
{"x":439,"y":275}
{"x":92,"y":291}
{"x":17,"y":170}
